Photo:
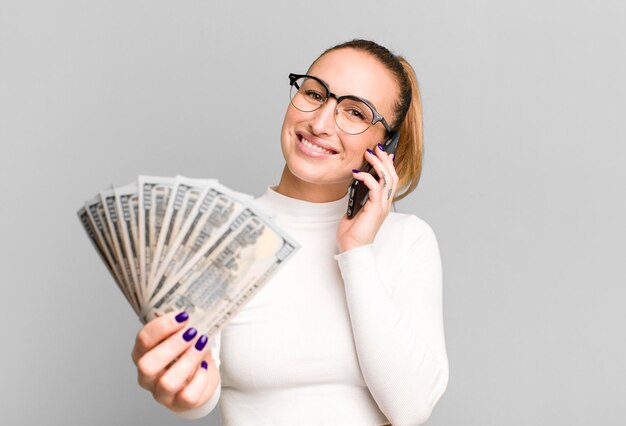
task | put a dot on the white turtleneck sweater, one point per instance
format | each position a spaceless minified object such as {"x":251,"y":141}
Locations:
{"x":354,"y":338}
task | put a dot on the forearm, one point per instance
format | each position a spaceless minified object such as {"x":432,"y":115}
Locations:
{"x":400,"y":352}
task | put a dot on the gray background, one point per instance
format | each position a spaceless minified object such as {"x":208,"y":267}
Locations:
{"x":523,"y":183}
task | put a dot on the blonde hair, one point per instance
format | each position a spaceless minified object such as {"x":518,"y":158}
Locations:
{"x":408,"y":113}
{"x":411,"y":148}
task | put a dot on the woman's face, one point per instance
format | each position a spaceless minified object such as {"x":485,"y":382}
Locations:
{"x":347,"y":72}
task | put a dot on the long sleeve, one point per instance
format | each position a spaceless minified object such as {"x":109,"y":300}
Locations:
{"x":395,"y":308}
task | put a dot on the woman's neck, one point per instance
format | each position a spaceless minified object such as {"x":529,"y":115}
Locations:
{"x":293,"y":187}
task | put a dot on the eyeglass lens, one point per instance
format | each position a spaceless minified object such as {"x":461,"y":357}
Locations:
{"x":352,"y":116}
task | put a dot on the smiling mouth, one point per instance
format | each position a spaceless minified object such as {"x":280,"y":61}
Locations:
{"x":314,"y":147}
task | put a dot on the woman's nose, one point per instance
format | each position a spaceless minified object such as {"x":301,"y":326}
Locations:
{"x":323,"y":120}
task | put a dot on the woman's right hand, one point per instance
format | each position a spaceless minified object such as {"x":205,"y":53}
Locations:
{"x":174,"y":364}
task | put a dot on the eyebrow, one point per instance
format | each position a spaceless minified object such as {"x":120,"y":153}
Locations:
{"x":371,"y":103}
{"x":360,"y":97}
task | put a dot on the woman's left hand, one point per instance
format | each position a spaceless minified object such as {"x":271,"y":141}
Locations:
{"x":362,"y":229}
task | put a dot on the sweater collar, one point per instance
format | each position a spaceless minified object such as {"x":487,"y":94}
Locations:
{"x":302,"y":210}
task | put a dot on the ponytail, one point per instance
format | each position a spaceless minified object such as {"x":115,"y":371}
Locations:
{"x":411,"y":146}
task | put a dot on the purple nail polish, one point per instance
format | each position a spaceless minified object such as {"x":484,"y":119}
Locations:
{"x":370,"y":151}
{"x":355,"y":170}
{"x":393,"y":158}
{"x":382,"y":148}
{"x":204,"y":365}
{"x":183,"y":316}
{"x":201,"y":343}
{"x":190,"y":334}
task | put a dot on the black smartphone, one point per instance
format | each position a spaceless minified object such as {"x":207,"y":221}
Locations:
{"x":359,"y":192}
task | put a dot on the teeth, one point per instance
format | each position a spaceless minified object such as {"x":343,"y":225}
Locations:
{"x":315,"y":147}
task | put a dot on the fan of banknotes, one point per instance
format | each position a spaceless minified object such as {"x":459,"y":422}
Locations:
{"x":174,"y":244}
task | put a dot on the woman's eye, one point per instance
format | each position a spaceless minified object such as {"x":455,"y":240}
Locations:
{"x":356,"y":114}
{"x":316,"y":96}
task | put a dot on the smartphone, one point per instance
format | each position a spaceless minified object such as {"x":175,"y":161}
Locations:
{"x":359,"y":192}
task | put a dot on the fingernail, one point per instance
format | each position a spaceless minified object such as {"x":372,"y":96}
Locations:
{"x":204,"y":365}
{"x":183,"y":316}
{"x":370,"y":151}
{"x":190,"y":334}
{"x":393,"y":158}
{"x":382,"y":148}
{"x":355,"y":170}
{"x":201,"y":343}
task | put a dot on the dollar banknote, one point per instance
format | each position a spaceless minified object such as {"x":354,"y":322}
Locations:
{"x":101,"y":246}
{"x":121,"y":250}
{"x":185,"y":192}
{"x":217,"y":282}
{"x":96,"y":213}
{"x":178,"y":243}
{"x":210,"y":220}
{"x":127,"y":208}
{"x":153,"y":191}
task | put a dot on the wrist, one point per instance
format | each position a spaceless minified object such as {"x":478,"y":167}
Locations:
{"x":350,"y":247}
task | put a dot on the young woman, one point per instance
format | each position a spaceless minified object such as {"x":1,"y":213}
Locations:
{"x":350,"y":331}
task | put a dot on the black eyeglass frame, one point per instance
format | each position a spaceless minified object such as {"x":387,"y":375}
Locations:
{"x":376,"y":116}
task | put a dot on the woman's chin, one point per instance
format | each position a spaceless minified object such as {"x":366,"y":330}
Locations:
{"x":304,"y":174}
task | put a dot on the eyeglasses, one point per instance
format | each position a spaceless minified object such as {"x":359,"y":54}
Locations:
{"x":353,"y":115}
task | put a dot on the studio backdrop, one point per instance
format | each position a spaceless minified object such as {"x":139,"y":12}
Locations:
{"x":523,"y":184}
